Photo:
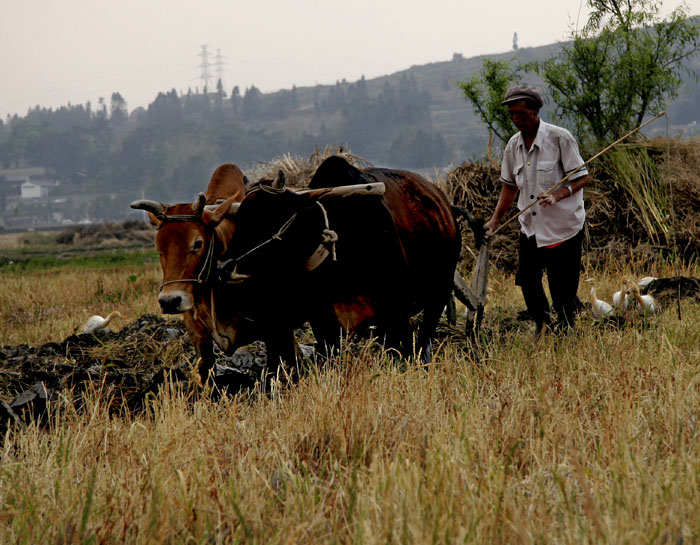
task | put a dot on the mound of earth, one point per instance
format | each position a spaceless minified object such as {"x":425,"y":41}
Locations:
{"x":669,"y":290}
{"x":125,"y":366}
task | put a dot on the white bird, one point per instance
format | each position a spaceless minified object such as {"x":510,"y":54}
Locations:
{"x":600,"y":308}
{"x":644,"y":302}
{"x":620,"y":300}
{"x":98,"y":322}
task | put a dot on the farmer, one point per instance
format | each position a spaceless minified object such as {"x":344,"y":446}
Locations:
{"x":551,"y":231}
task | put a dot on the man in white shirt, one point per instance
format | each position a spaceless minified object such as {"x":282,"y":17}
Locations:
{"x":551,"y":232}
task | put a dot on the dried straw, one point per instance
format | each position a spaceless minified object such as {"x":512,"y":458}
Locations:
{"x":298,"y":171}
{"x":629,"y":208}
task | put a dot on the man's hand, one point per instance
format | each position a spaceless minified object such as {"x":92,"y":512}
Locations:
{"x":546,"y":200}
{"x":489,"y":227}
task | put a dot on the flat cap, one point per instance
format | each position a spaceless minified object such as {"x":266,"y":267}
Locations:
{"x":523,"y":92}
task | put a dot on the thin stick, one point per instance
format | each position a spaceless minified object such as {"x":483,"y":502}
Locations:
{"x":570,"y":174}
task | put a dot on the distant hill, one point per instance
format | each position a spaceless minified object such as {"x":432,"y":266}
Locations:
{"x":102,"y":158}
{"x":452,"y":117}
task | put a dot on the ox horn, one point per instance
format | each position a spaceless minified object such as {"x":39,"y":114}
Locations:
{"x":280,"y":180}
{"x":149,"y":206}
{"x":198,"y":205}
{"x":237,"y":278}
{"x":228,"y":272}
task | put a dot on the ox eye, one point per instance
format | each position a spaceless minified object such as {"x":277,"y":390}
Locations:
{"x":197,"y":245}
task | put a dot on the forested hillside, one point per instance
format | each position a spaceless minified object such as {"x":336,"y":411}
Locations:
{"x":103,"y":156}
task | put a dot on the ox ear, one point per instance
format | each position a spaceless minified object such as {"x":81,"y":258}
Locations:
{"x":153,"y":219}
{"x":246,"y":182}
{"x":198,"y":204}
{"x":280,"y":181}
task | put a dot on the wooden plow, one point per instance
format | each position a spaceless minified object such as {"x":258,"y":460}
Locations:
{"x":472,"y":296}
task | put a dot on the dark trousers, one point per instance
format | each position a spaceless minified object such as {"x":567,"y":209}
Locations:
{"x":563,"y":266}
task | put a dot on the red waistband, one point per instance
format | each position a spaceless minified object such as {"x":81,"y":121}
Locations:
{"x":555,"y":245}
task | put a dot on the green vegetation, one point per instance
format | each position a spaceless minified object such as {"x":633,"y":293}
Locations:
{"x":623,"y":65}
{"x":26,"y":262}
{"x":164,"y":150}
{"x":637,"y":175}
{"x":485,"y":92}
{"x":85,"y":247}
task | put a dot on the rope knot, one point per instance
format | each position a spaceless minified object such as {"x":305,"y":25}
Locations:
{"x":330,"y":237}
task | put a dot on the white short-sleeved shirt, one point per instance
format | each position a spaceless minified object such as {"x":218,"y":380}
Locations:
{"x":553,"y":154}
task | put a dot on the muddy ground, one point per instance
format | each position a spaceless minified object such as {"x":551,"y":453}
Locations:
{"x":126,"y":367}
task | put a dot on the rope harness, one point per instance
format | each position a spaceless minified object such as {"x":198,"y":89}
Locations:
{"x":204,"y":274}
{"x":325,"y":248}
{"x":328,"y":240}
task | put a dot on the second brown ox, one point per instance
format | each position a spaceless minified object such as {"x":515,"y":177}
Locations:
{"x":189,"y":238}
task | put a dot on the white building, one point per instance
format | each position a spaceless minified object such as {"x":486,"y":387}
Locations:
{"x":27,"y":183}
{"x":35,"y":190}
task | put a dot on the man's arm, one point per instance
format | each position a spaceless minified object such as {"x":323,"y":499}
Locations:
{"x":563,"y":192}
{"x":505,"y":201}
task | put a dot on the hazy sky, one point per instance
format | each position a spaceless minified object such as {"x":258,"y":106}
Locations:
{"x":58,"y":51}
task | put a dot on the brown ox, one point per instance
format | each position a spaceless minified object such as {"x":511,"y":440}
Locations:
{"x":386,"y":259}
{"x":189,"y":238}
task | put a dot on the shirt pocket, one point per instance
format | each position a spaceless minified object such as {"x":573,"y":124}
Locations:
{"x":547,"y":173}
{"x":519,"y":173}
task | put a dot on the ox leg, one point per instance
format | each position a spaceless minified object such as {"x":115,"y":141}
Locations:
{"x":282,"y":350}
{"x":328,"y":334}
{"x":206,"y":362}
{"x":424,"y":345}
{"x":398,"y":336}
{"x":203,"y":344}
{"x":431,"y":318}
{"x":451,"y":311}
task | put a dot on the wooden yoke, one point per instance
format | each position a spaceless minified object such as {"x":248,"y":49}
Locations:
{"x":375,"y":188}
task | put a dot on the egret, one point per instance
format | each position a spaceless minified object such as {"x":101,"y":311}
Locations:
{"x":98,"y":322}
{"x":600,"y":308}
{"x":645,"y":302}
{"x":620,"y":300}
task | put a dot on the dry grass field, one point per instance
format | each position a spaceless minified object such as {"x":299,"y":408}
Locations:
{"x":589,"y":438}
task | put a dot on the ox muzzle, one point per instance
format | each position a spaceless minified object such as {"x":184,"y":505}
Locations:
{"x":175,"y":301}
